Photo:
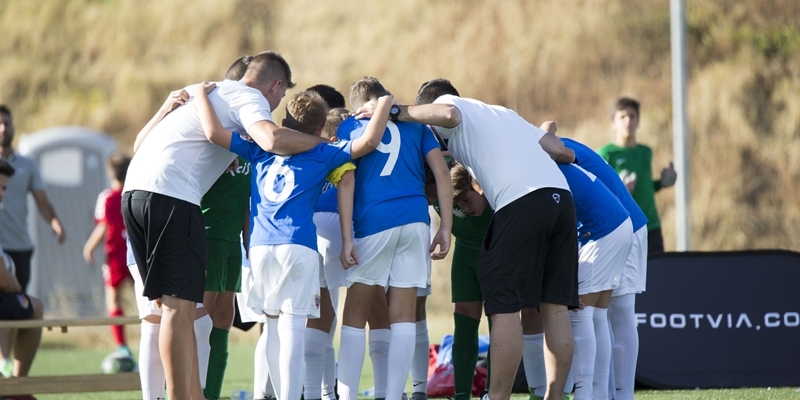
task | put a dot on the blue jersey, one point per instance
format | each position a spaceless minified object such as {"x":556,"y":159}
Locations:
{"x":285,"y":190}
{"x":597,"y":209}
{"x":589,"y":160}
{"x":390,"y":181}
{"x":327,"y":200}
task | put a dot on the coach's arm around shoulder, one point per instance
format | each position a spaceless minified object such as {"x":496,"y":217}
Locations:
{"x":444,"y":115}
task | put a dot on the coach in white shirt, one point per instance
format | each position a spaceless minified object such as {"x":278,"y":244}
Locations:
{"x":529,"y":257}
{"x":172,"y":169}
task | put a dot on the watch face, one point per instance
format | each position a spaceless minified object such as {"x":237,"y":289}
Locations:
{"x":394,"y":110}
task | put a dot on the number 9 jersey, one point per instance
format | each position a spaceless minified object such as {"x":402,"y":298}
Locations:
{"x":390,"y":181}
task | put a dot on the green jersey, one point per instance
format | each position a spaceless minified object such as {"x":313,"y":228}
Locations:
{"x":468,"y":230}
{"x":226,"y":203}
{"x":637,"y":160}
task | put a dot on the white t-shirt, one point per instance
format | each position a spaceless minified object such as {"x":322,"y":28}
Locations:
{"x":501,"y":150}
{"x":177,"y":160}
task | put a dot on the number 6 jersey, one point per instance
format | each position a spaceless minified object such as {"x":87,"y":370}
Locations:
{"x":285,"y":190}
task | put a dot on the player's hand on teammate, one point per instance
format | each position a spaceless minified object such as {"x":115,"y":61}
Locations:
{"x":549,"y":126}
{"x":348,"y":257}
{"x":368,"y":109}
{"x":204,"y":88}
{"x":668,"y":176}
{"x":442,"y":239}
{"x":234,"y":165}
{"x":175,"y":99}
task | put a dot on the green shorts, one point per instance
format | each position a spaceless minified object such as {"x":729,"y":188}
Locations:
{"x":223,"y":266}
{"x":464,"y":284}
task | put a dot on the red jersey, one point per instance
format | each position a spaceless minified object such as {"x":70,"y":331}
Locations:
{"x":109,"y":210}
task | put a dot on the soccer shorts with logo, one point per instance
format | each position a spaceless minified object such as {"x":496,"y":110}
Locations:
{"x":601,"y":261}
{"x":223,"y":266}
{"x":396,"y":257}
{"x":285,"y":280}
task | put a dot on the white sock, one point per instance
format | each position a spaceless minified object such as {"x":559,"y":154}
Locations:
{"x":584,"y":353}
{"x":291,"y":329}
{"x":329,"y":369}
{"x":274,"y":354}
{"x":400,"y":359}
{"x":622,"y":318}
{"x":202,"y":331}
{"x":262,"y":387}
{"x":151,"y":371}
{"x":351,"y":360}
{"x":315,"y":341}
{"x":379,"y":354}
{"x":419,"y":367}
{"x":533,"y":360}
{"x":602,"y":362}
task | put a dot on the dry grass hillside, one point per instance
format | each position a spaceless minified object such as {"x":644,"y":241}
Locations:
{"x":109,"y":64}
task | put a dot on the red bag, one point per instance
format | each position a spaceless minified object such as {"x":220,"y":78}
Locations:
{"x":442,"y":382}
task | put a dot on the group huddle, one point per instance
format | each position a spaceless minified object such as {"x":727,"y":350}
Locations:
{"x":219,"y":199}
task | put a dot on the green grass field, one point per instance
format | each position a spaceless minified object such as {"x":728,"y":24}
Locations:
{"x":59,"y":358}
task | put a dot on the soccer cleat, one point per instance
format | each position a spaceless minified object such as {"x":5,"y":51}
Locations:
{"x":7,"y":370}
{"x":419,"y":396}
{"x":123,"y":349}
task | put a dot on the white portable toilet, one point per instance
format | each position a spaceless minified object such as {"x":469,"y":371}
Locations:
{"x":72,"y":164}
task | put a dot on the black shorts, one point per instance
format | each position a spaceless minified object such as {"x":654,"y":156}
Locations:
{"x":15,"y":306}
{"x":22,"y":266}
{"x":168,"y":240}
{"x":530,"y":254}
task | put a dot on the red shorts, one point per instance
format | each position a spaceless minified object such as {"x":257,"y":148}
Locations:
{"x":115,"y":272}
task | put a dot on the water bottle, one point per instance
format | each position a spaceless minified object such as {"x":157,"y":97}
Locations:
{"x":241,"y":394}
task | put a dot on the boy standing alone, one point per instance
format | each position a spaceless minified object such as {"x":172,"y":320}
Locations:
{"x":633,"y":161}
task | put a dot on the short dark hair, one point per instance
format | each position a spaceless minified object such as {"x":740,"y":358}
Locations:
{"x":433,"y":89}
{"x":306,"y":112}
{"x":5,"y":167}
{"x":5,"y":110}
{"x":237,"y":69}
{"x":269,"y":66}
{"x":335,"y":117}
{"x":623,"y":103}
{"x":366,"y":89}
{"x":461,"y":180}
{"x":118,"y":164}
{"x":332,"y":97}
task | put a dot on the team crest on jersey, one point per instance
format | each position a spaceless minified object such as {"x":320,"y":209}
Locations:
{"x":459,"y":213}
{"x":317,"y":300}
{"x":557,"y":197}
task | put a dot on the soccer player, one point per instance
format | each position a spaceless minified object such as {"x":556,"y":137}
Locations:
{"x":173,"y":168}
{"x":16,"y":305}
{"x":529,"y":258}
{"x":392,"y":243}
{"x":225,"y":212}
{"x":632,"y":160}
{"x":283,"y":240}
{"x":111,"y":228}
{"x":621,"y":313}
{"x":320,"y":377}
{"x":151,"y":368}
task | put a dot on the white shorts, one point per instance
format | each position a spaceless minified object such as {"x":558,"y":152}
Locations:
{"x":285,"y":280}
{"x":246,"y":314}
{"x":634,"y":275}
{"x":329,"y":243}
{"x":426,"y":291}
{"x":601,"y":261}
{"x":397,"y":257}
{"x":146,"y":306}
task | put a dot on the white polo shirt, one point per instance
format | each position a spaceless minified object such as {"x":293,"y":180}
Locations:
{"x":501,"y":150}
{"x":177,"y":160}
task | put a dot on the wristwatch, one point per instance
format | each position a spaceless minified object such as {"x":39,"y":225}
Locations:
{"x":394,"y":112}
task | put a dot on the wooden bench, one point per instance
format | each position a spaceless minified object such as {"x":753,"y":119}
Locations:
{"x":70,"y":383}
